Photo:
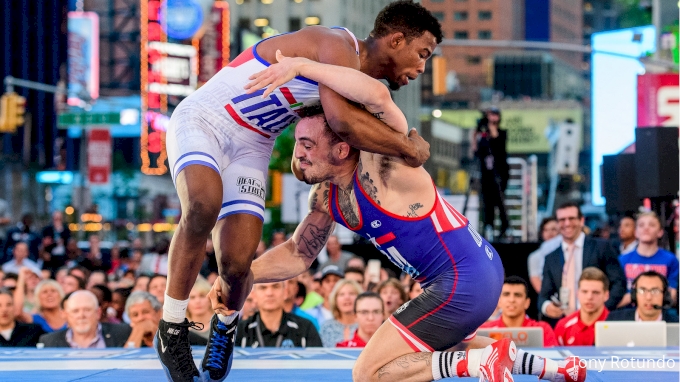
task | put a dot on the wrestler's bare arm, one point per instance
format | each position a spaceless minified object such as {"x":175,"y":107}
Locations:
{"x":297,"y":253}
{"x":347,"y":82}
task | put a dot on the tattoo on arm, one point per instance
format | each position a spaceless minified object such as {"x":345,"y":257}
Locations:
{"x":367,"y":184}
{"x":314,"y":238}
{"x":325,"y":195}
{"x":404,"y":362}
{"x":412,"y":210}
{"x":346,"y":205}
{"x":379,"y":115}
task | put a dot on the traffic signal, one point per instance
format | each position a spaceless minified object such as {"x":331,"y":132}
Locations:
{"x":13,"y":108}
{"x":4,"y":108}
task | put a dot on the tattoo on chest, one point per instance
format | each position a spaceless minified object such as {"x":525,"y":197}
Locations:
{"x":367,"y":184}
{"x":314,"y":238}
{"x":347,"y":205}
{"x":412,"y":210}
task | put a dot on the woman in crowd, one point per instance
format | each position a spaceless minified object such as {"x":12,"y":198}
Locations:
{"x":370,"y":313}
{"x":393,"y":295}
{"x":157,"y":284}
{"x":48,"y":312}
{"x":118,"y":300}
{"x":344,"y":324}
{"x":199,"y":308}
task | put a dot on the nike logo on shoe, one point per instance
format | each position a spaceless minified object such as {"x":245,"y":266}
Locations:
{"x":163,"y":347}
{"x":173,"y":331}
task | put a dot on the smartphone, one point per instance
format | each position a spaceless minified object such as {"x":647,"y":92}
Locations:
{"x":373,"y":270}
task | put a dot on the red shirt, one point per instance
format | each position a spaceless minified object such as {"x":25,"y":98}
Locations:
{"x":549,"y":339}
{"x":356,"y":342}
{"x":571,"y":331}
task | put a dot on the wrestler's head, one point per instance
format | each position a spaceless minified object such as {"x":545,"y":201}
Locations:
{"x":321,"y":152}
{"x":404,"y":36}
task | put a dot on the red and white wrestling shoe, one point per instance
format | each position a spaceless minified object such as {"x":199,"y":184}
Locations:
{"x":569,"y":370}
{"x":497,"y":360}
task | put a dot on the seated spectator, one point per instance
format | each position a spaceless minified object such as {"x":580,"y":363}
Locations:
{"x":249,"y":306}
{"x":343,"y":325}
{"x":105,"y":298}
{"x":514,"y":302}
{"x":336,"y":256}
{"x":10,"y":281}
{"x":95,"y":257}
{"x":72,"y":283}
{"x":271,"y":326}
{"x":141,"y":284}
{"x":145,"y":314}
{"x":60,"y":274}
{"x":199,"y":309}
{"x":392,"y":294}
{"x":12,"y":332}
{"x":651,"y":299}
{"x":290,"y":305}
{"x":550,"y":241}
{"x":356,"y":262}
{"x":22,"y":232}
{"x":312,"y":298}
{"x":80,"y":272}
{"x":118,"y":300}
{"x":356,"y":274}
{"x":648,"y":256}
{"x":84,"y":329}
{"x":563,"y":266}
{"x":19,"y":260}
{"x":330,"y":275}
{"x":370,"y":312}
{"x":627,"y":242}
{"x":156,"y":262}
{"x":25,"y":289}
{"x":415,"y":290}
{"x":48,"y":312}
{"x":578,"y":328}
{"x":96,"y":278}
{"x":157,"y":285}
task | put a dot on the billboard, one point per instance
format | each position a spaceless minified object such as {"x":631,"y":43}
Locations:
{"x":658,"y":96}
{"x":526,"y":127}
{"x":614,"y":70}
{"x":99,"y":156}
{"x":83,"y":56}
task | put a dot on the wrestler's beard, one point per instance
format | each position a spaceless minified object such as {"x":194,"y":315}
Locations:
{"x":393,"y":85}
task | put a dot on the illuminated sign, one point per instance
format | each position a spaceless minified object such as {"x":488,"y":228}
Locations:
{"x":181,"y":19}
{"x":658,"y":100}
{"x":83,"y":56}
{"x":172,"y":68}
{"x":214,"y":45}
{"x":615,"y":67}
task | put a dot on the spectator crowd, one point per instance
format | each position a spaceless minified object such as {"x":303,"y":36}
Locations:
{"x":58,"y":292}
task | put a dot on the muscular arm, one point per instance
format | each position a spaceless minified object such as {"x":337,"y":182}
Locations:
{"x":297,"y":254}
{"x":358,"y":127}
{"x":358,"y":87}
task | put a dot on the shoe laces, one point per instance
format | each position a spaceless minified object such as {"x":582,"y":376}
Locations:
{"x":183,"y":355}
{"x":218,"y":346}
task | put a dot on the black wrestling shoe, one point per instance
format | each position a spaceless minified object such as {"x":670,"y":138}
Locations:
{"x":220,"y":350}
{"x":172,"y":346}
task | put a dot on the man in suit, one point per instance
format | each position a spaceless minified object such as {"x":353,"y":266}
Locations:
{"x":564,"y":265}
{"x":651,"y":298}
{"x":12,"y":332}
{"x":85,"y":331}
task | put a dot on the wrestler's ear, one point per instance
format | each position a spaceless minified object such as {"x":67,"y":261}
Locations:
{"x":343,"y":150}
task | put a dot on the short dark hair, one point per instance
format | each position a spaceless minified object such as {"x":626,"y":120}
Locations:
{"x":407,"y":17}
{"x":516,"y":280}
{"x":155,"y":276}
{"x":7,"y":292}
{"x":368,"y":294}
{"x":12,"y":276}
{"x":354,"y":270}
{"x":546,"y":221}
{"x":656,"y":274}
{"x":569,"y":205}
{"x":316,"y":110}
{"x":106,"y":292}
